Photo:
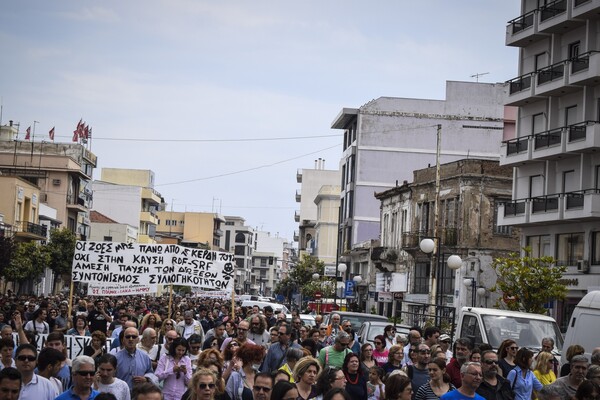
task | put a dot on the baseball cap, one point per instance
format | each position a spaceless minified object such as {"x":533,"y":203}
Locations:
{"x":444,"y":338}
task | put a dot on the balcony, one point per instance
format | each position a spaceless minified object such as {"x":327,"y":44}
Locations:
{"x":521,"y":91}
{"x":523,"y":30}
{"x":296,"y":236}
{"x":145,"y":239}
{"x":29,"y":231}
{"x":299,"y":176}
{"x":585,"y":9}
{"x":151,"y":195}
{"x":515,"y":151}
{"x":583,"y":137}
{"x":413,"y":238}
{"x":554,"y":16}
{"x":76,"y":203}
{"x":549,"y":144}
{"x":148,"y":217}
{"x":297,"y":216}
{"x":514,"y":213}
{"x":582,"y":205}
{"x":217,"y":232}
{"x":552,"y":80}
{"x":298,"y":196}
{"x":585,"y":69}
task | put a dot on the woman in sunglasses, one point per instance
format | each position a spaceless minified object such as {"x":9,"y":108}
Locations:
{"x":507,"y":353}
{"x":330,"y":378}
{"x":167,"y":325}
{"x":175,"y":370}
{"x":380,"y":354}
{"x":203,"y":385}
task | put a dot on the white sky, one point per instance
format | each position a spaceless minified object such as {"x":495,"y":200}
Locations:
{"x":205,"y":70}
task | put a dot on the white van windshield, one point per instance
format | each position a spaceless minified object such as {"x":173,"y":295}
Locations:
{"x":526,"y":332}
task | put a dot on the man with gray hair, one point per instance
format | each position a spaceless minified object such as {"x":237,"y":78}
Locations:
{"x":567,"y":385}
{"x":189,"y":326}
{"x":471,"y":378}
{"x":334,"y":328}
{"x":333,"y":356}
{"x":83,"y":370}
{"x":549,"y":392}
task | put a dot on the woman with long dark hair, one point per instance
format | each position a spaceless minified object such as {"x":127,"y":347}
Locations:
{"x":398,"y":387}
{"x":175,"y":370}
{"x":380,"y":353}
{"x":521,"y":378}
{"x":285,"y":391}
{"x":507,"y":353}
{"x":356,"y":381}
{"x":366,"y":357}
{"x":439,"y":382}
{"x":330,"y":378}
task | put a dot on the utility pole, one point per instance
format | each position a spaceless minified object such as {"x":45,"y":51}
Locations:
{"x":435,"y":256}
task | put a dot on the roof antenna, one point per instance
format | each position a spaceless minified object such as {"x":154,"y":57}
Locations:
{"x":476,"y":76}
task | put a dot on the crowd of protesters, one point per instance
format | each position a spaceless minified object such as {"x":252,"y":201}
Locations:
{"x":187,"y":348}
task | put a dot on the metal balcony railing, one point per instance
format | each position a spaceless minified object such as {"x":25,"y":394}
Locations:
{"x":519,"y":84}
{"x":550,"y":73}
{"x":544,"y":203}
{"x":517,"y":145}
{"x":547,"y":138}
{"x":513,"y":208}
{"x":523,"y":22}
{"x":552,"y":9}
{"x":578,"y":131}
{"x":30,"y":227}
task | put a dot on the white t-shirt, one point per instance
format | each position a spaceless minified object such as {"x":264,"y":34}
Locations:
{"x":119,"y":388}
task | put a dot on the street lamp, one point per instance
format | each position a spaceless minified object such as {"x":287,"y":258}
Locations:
{"x":475,"y":290}
{"x":454,"y":262}
{"x":338,"y":268}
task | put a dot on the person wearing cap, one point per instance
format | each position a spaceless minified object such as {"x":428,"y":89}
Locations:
{"x":444,"y":342}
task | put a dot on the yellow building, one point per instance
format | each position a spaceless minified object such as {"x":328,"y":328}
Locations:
{"x":193,"y":229}
{"x":19,"y":207}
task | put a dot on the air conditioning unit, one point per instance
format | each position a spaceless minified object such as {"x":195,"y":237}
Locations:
{"x":56,"y":182}
{"x":583,"y":266}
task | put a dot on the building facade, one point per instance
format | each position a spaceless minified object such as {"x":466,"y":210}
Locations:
{"x":324,"y":244}
{"x":556,"y":189}
{"x":238,"y":239}
{"x":191,"y":229}
{"x":105,"y":229}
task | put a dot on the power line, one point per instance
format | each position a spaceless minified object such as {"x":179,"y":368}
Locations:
{"x":214,"y":140}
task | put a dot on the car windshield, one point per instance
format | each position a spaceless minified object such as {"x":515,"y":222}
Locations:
{"x":375,"y":330}
{"x":525,"y":331}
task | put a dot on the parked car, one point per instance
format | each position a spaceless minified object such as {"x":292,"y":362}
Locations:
{"x":356,"y":319}
{"x":370,"y":329}
{"x":307,"y":319}
{"x":277,"y":308}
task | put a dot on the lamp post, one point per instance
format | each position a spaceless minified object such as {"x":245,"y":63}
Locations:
{"x":357,"y":279}
{"x":475,"y":290}
{"x":338,"y":268}
{"x":454,"y":262}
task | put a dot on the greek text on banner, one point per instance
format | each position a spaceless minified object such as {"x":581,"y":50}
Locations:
{"x":128,"y":264}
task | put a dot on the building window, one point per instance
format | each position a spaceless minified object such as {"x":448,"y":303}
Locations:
{"x":539,"y":245}
{"x":596,"y":248}
{"x":240,"y":250}
{"x":569,"y":248}
{"x":263,"y":261}
{"x":505,"y":230}
{"x":421,"y":283}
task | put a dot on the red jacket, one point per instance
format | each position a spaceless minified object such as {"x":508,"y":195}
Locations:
{"x":453,"y":370}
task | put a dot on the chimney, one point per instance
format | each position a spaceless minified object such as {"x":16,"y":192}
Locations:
{"x":316,"y":164}
{"x":10,"y":123}
{"x":323,"y":163}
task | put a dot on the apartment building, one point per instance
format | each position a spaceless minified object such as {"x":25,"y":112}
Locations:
{"x":191,"y":229}
{"x":324,"y":244}
{"x":108,"y":230}
{"x":128,"y":196}
{"x":556,"y":188}
{"x":388,"y":138}
{"x":267,"y":263}
{"x":239,"y":239}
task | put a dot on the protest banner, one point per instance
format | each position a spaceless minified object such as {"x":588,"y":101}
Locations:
{"x":74,"y":344}
{"x":110,"y":265}
{"x":94,"y":290}
{"x":212,"y":294}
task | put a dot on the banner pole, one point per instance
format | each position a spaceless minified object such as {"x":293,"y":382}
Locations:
{"x":70,"y":314}
{"x":233,"y":300}
{"x":170,"y":301}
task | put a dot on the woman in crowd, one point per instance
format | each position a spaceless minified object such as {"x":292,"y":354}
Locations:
{"x":80,"y":328}
{"x":202,"y":386}
{"x":543,"y":368}
{"x":217,"y":369}
{"x":105,"y":380}
{"x":389,"y":332}
{"x":303,"y":331}
{"x":330,"y":378}
{"x":231,"y":363}
{"x":97,"y":346}
{"x":380,"y":353}
{"x":337,"y":394}
{"x":311,"y":346}
{"x":167,"y":325}
{"x":356,"y":381}
{"x":395,"y":356}
{"x":439,"y":382}
{"x":240,"y":383}
{"x":398,"y":387}
{"x":366,"y":357}
{"x":175,"y":370}
{"x":292,"y":356}
{"x":507,"y":353}
{"x":521,"y":378}
{"x":572,"y":351}
{"x":375,"y":385}
{"x":230,"y":328}
{"x":475,"y":355}
{"x":195,"y":343}
{"x":284,"y":391}
{"x":587,"y":390}
{"x":151,"y":321}
{"x":38,"y":323}
{"x":305,"y":375}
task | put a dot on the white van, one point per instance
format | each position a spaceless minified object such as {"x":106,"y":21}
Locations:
{"x":585,"y":317}
{"x":488,"y":325}
{"x":277,"y":308}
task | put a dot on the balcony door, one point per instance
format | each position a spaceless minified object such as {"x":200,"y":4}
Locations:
{"x":571,"y":115}
{"x":538,"y":123}
{"x":569,"y":182}
{"x":536,"y":186}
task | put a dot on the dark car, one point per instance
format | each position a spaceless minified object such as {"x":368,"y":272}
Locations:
{"x":356,"y":319}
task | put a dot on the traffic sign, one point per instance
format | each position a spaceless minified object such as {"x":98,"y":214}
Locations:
{"x":349,"y":289}
{"x":318,"y":295}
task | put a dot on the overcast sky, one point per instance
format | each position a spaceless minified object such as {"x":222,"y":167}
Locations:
{"x":205,"y":81}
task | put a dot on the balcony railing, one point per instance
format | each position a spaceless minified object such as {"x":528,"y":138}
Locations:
{"x":517,"y":145}
{"x":547,"y":139}
{"x":29,"y":227}
{"x":575,"y":199}
{"x":519,"y":84}
{"x":515,"y":207}
{"x":578,"y":131}
{"x":522,"y":22}
{"x":544,"y":203}
{"x":580,"y":2}
{"x":581,"y":62}
{"x":550,"y":73}
{"x":553,"y":9}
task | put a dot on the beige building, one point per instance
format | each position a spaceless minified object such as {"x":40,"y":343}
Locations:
{"x":193,"y":229}
{"x":61,"y":171}
{"x":326,"y":226}
{"x":128,"y":196}
{"x":108,"y":230}
{"x":19,"y":206}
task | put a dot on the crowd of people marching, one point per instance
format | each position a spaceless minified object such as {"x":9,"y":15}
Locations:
{"x":153,"y":348}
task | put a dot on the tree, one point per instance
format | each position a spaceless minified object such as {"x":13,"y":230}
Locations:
{"x":27,"y":262}
{"x":61,"y":249}
{"x":526,"y":283}
{"x":7,"y":247}
{"x":301,"y":278}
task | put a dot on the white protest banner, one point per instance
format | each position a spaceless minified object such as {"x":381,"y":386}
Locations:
{"x":212,"y":294}
{"x":110,"y":264}
{"x":74,"y":344}
{"x":94,"y":290}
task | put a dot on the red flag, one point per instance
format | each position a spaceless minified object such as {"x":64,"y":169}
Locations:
{"x":51,"y":134}
{"x":81,"y":131}
{"x":86,"y":131}
{"x":77,"y":130}
{"x":28,"y":133}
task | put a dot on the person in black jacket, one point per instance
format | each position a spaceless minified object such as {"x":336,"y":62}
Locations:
{"x":493,"y":386}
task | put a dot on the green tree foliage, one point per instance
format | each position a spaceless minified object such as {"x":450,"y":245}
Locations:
{"x":61,"y":248}
{"x":300,"y":279}
{"x":27,"y":262}
{"x":526,"y":283}
{"x":7,"y":247}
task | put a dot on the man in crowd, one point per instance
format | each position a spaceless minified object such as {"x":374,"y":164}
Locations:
{"x":10,"y":384}
{"x":275,"y":357}
{"x":271,"y":320}
{"x":49,"y":363}
{"x":444,"y":342}
{"x":56,"y":340}
{"x":147,"y":391}
{"x":84,"y":371}
{"x":98,"y":318}
{"x":418,"y":373}
{"x":35,"y":387}
{"x":414,"y":340}
{"x":133,"y":366}
{"x":258,"y":330}
{"x":462,"y":351}
{"x":217,"y":332}
{"x":189,"y":326}
{"x":333,"y":356}
{"x":567,"y":385}
{"x":61,"y":322}
{"x":334,"y":328}
{"x":242,"y":335}
{"x":431,"y":335}
{"x":263,"y":384}
{"x":471,"y":379}
{"x":148,"y":345}
{"x":204,"y":321}
{"x":493,"y":386}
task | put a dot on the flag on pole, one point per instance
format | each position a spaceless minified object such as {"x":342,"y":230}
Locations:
{"x":28,"y":133}
{"x":77,"y":130}
{"x":86,"y":131}
{"x":51,"y":134}
{"x":90,"y":133}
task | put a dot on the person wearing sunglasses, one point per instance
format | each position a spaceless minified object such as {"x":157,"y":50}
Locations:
{"x":83,"y":370}
{"x":203,"y":385}
{"x":507,"y":354}
{"x":35,"y":387}
{"x":493,"y":386}
{"x":134,"y":366}
{"x":263,"y":385}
